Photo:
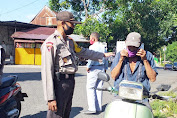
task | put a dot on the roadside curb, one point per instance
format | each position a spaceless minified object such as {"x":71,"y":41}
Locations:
{"x":23,"y":66}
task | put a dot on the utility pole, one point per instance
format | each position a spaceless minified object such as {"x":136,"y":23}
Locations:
{"x":164,"y":49}
{"x":160,"y":57}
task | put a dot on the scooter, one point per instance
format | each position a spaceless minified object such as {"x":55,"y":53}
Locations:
{"x":10,"y":97}
{"x":129,"y":102}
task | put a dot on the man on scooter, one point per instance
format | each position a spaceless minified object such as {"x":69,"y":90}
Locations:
{"x":134,"y":64}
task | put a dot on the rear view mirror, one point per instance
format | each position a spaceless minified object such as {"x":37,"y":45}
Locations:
{"x":103,"y":76}
{"x":163,"y":87}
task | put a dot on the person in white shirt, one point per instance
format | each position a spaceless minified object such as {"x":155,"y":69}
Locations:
{"x":94,"y":97}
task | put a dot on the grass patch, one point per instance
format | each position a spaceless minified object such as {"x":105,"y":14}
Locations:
{"x":165,"y":109}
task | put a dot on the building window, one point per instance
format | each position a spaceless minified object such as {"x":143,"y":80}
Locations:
{"x":28,"y":45}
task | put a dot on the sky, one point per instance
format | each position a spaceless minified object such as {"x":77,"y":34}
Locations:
{"x":20,"y":10}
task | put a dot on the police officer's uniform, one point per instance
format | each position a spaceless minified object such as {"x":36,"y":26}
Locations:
{"x":58,"y":69}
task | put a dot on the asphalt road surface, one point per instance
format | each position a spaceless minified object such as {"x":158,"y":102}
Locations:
{"x":35,"y":107}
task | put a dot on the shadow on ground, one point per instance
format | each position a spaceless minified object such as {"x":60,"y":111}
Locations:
{"x":31,"y":76}
{"x":159,"y":67}
{"x":41,"y":114}
{"x":75,"y":111}
{"x":25,"y":76}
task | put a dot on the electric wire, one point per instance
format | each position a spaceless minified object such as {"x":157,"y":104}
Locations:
{"x":19,"y":15}
{"x":19,"y":8}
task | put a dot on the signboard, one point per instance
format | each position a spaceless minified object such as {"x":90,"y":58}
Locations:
{"x":164,"y":48}
{"x":120,"y":46}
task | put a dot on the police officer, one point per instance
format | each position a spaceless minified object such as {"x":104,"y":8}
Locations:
{"x":59,"y":66}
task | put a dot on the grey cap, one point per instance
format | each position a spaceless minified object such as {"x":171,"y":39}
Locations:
{"x":133,"y":39}
{"x":66,"y":16}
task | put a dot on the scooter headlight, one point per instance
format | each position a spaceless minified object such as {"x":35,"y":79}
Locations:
{"x":131,"y":90}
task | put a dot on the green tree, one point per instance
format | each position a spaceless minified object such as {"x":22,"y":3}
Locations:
{"x":80,"y":8}
{"x":92,"y":25}
{"x":173,"y":36}
{"x":153,"y":19}
{"x":171,"y":53}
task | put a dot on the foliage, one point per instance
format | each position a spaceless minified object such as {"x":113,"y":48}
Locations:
{"x":153,"y":19}
{"x":80,"y":8}
{"x":171,"y":53}
{"x":160,"y":53}
{"x":92,"y":25}
{"x":173,"y":36}
{"x":164,"y":109}
{"x":170,"y":93}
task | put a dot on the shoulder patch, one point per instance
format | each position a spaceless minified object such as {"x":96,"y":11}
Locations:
{"x":77,"y":48}
{"x":49,"y":45}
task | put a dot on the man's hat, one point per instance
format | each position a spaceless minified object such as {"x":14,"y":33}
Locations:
{"x":66,"y":16}
{"x":133,"y":39}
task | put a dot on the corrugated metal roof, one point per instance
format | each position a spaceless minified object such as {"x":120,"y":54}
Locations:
{"x":78,"y":38}
{"x":42,"y":33}
{"x":17,"y":24}
{"x":34,"y":33}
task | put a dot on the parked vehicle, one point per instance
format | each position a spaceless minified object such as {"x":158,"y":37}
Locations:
{"x":175,"y":66}
{"x":81,"y":61}
{"x":10,"y":97}
{"x":168,"y":67}
{"x":129,"y":100}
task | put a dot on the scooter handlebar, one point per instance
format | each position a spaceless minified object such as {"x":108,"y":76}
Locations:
{"x":111,"y":90}
{"x":101,"y":89}
{"x":155,"y":96}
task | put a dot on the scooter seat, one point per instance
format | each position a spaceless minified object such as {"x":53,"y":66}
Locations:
{"x":8,"y":81}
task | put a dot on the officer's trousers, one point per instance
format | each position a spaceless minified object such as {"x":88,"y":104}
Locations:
{"x":94,"y":97}
{"x":64,"y":89}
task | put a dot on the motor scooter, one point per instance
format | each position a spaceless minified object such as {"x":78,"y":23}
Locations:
{"x":129,"y":102}
{"x":10,"y":97}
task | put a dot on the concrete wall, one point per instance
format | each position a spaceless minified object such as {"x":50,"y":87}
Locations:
{"x":5,"y":35}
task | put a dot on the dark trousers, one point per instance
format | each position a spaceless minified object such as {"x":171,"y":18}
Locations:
{"x":64,"y":89}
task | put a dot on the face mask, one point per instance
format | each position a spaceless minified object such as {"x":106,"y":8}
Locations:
{"x":131,"y":53}
{"x":69,"y":30}
{"x":92,"y":42}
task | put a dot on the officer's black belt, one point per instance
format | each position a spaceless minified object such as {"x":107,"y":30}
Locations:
{"x":60,"y":76}
{"x":66,"y":76}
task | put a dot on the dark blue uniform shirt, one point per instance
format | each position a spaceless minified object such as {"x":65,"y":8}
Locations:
{"x":139,"y":73}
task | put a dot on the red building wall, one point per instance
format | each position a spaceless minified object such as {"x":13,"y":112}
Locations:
{"x":45,"y":17}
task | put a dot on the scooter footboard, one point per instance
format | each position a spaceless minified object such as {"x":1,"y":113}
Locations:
{"x":123,"y":109}
{"x":20,"y":96}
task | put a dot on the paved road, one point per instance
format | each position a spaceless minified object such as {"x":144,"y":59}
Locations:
{"x":35,"y":107}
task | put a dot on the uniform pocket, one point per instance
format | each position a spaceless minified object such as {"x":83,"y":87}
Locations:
{"x":66,"y":63}
{"x":65,"y":57}
{"x":64,"y":53}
